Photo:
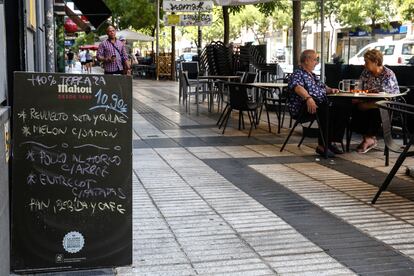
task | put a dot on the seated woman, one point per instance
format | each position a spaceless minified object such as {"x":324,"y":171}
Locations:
{"x":310,"y":91}
{"x":366,"y":119}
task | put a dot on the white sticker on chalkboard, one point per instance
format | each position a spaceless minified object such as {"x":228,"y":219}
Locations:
{"x":73,"y":242}
{"x":7,"y":143}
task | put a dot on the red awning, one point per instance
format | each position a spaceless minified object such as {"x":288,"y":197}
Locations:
{"x":89,"y":47}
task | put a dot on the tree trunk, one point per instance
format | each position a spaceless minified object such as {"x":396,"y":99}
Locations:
{"x":199,"y":41}
{"x":226,"y":21}
{"x":297,"y":33}
{"x":173,"y":53}
{"x":152,"y":43}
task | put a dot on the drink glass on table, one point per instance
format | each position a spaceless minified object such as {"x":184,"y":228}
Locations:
{"x":345,"y":85}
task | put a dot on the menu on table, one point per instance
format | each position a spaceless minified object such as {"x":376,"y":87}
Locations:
{"x":71,"y":172}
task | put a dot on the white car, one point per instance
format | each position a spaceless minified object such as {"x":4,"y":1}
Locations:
{"x":396,"y":52}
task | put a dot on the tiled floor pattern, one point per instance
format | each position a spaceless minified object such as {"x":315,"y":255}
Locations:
{"x":391,"y":220}
{"x":189,"y":219}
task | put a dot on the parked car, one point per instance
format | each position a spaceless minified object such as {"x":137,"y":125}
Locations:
{"x":188,"y":56}
{"x":397,"y":52}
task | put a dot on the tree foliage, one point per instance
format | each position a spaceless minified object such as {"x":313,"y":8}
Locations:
{"x":138,"y":14}
{"x":406,"y":9}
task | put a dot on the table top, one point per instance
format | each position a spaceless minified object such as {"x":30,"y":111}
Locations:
{"x":268,"y":84}
{"x":382,"y":95}
{"x":216,"y":77}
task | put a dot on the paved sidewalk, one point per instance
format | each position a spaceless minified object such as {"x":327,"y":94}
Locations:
{"x":77,"y":69}
{"x":213,"y":204}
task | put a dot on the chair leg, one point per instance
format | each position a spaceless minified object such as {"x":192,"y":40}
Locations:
{"x":303,"y":134}
{"x":226,"y":120}
{"x":222,"y":115}
{"x":288,"y":137}
{"x":279,"y":116}
{"x":321,"y":131}
{"x":197,"y":103}
{"x":392,"y":173}
{"x":252,"y":122}
{"x":387,"y":156}
{"x":268,"y":120}
{"x":240,"y":116}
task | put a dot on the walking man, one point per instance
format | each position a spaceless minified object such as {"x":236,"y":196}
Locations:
{"x":113,"y":54}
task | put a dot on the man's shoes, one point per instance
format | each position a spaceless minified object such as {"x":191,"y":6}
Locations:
{"x":334,"y":148}
{"x":321,"y":151}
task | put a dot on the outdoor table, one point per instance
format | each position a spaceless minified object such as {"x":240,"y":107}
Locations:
{"x":264,"y":87}
{"x":268,"y":84}
{"x":218,"y":77}
{"x":212,"y":79}
{"x":348,"y":97}
{"x":365,"y":96}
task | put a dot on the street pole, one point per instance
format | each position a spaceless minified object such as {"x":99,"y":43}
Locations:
{"x":322,"y":59}
{"x":157,"y":46}
{"x":50,"y":36}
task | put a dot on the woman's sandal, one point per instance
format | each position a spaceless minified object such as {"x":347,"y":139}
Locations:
{"x":368,"y":148}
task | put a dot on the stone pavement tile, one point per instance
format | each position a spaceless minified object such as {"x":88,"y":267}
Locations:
{"x":160,"y":270}
{"x":239,"y":151}
{"x":207,"y":152}
{"x":377,"y":229}
{"x":269,"y":150}
{"x":242,"y":266}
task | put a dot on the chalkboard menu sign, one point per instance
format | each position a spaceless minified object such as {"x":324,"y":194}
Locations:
{"x":71,"y":172}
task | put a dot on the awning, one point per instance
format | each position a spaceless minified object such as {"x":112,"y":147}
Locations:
{"x":130,"y":35}
{"x":92,"y":47}
{"x":95,"y":10}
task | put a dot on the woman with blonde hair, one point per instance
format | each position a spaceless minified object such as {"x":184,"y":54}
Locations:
{"x":365,"y":117}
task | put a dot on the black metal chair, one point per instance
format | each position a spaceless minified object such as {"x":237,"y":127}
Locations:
{"x":195,"y":88}
{"x":395,"y":121}
{"x":276,"y":100}
{"x":302,"y":118}
{"x":388,"y":109}
{"x":239,"y":100}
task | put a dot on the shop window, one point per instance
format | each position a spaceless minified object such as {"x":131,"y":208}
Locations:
{"x":389,"y":50}
{"x":408,"y":49}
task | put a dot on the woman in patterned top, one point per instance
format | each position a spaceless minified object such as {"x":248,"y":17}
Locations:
{"x":310,"y":91}
{"x":365,"y":116}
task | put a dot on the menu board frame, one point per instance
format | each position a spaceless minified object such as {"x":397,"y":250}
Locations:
{"x":71,"y":172}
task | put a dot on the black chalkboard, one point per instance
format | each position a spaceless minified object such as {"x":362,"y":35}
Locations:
{"x":71,"y":172}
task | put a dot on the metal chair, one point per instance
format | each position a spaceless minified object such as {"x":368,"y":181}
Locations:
{"x":276,"y":100}
{"x":395,"y":122}
{"x":302,"y":118}
{"x":187,"y":91}
{"x":239,"y":100}
{"x":388,"y":109}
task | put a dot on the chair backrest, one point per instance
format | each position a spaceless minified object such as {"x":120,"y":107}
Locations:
{"x":192,"y":69}
{"x":239,"y":97}
{"x":250,"y":77}
{"x":241,"y":74}
{"x":185,"y":78}
{"x":392,"y":108}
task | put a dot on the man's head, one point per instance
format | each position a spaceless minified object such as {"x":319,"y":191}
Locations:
{"x":309,"y":59}
{"x":111,"y":32}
